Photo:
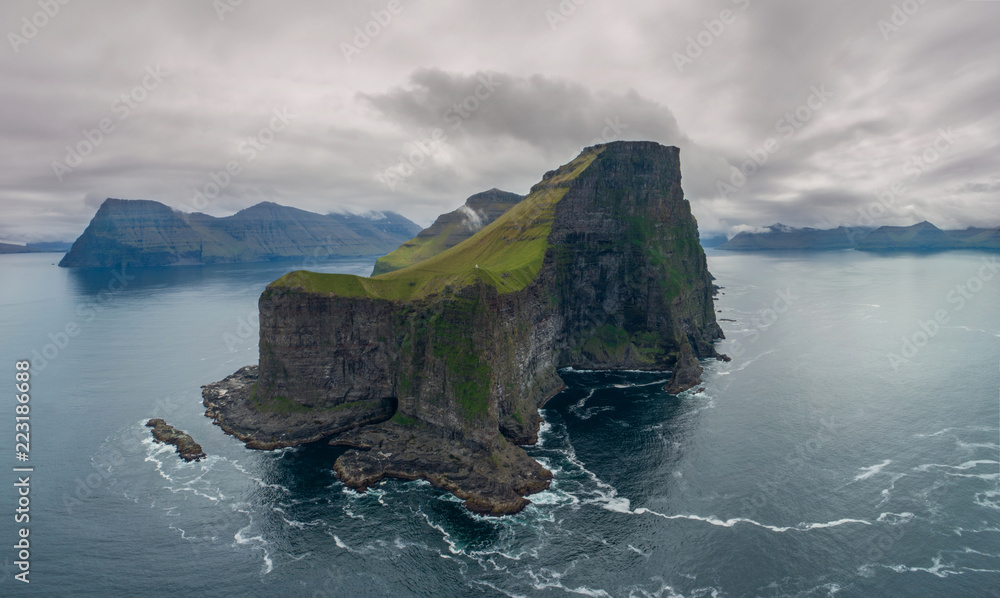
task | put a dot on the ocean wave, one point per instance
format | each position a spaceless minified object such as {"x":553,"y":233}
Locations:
{"x":255,"y":542}
{"x":548,"y":579}
{"x":745,"y":364}
{"x":895,"y":518}
{"x":959,"y":428}
{"x":887,"y":492}
{"x":989,"y":499}
{"x":937,"y":568}
{"x":964,"y":466}
{"x":711,"y":519}
{"x":867,"y":472}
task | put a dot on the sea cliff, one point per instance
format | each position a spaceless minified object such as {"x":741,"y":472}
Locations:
{"x":436,"y":371}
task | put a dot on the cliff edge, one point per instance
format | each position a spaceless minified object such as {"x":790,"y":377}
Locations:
{"x":436,"y":371}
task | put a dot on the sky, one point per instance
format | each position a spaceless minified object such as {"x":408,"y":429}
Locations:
{"x":855,"y":113}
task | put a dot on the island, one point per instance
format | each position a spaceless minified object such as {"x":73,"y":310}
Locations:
{"x":922,"y":236}
{"x":437,"y":371}
{"x":139,"y":233}
{"x":42,"y":247}
{"x":164,"y":433}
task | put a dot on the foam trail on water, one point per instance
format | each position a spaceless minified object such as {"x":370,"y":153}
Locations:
{"x":802,"y":527}
{"x":255,"y":542}
{"x":867,"y":472}
{"x":962,"y":467}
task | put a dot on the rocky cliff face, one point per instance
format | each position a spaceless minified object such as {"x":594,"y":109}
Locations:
{"x":449,"y":229}
{"x":147,"y":233}
{"x":437,"y":371}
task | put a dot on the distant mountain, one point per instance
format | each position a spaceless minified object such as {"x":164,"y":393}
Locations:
{"x":48,"y":247}
{"x":11,"y":248}
{"x":148,"y":233}
{"x":779,"y":236}
{"x":51,"y":246}
{"x":450,"y":229}
{"x":713,"y":240}
{"x":919,"y":237}
{"x":927,"y":237}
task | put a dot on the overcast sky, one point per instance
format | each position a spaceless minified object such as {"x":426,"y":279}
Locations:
{"x":839,"y":102}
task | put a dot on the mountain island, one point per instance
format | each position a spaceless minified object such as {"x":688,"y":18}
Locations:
{"x":141,"y":232}
{"x":437,"y":370}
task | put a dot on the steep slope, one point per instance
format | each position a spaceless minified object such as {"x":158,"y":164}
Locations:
{"x":449,"y":229}
{"x":436,"y":371}
{"x":147,"y":233}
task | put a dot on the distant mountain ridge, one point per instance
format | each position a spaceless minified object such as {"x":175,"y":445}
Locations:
{"x":923,"y":236}
{"x":141,"y":232}
{"x":44,"y":247}
{"x":450,"y":229}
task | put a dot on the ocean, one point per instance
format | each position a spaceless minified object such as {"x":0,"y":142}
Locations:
{"x":850,"y":448}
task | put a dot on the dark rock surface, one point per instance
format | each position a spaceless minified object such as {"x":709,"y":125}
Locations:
{"x":187,"y":448}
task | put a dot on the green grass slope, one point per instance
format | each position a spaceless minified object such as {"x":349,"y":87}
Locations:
{"x":507,"y":254}
{"x":449,"y":230}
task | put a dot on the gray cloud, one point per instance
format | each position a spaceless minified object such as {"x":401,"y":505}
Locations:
{"x":559,"y":85}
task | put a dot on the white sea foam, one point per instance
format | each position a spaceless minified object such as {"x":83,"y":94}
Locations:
{"x":548,"y":579}
{"x":962,"y":428}
{"x":494,"y":588}
{"x":961,"y":467}
{"x":745,"y":364}
{"x":543,"y":432}
{"x":895,"y":518}
{"x":256,"y":542}
{"x":989,"y":499}
{"x":867,"y":472}
{"x":340,"y":543}
{"x":711,"y":519}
